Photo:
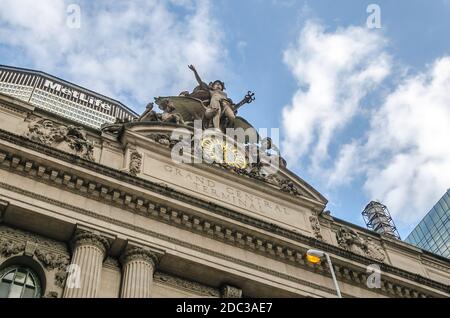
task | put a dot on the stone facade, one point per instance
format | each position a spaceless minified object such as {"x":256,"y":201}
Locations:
{"x":111,"y":208}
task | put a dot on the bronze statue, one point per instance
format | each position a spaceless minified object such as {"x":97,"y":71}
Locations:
{"x":207,"y":102}
{"x":219,"y":104}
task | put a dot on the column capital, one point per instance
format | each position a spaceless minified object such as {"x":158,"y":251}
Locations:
{"x":134,"y":253}
{"x":84,"y":236}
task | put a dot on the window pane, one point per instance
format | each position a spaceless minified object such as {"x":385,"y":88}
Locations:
{"x":9,"y":277}
{"x":18,"y":282}
{"x":15,"y":291}
{"x":28,"y":293}
{"x":20,"y":277}
{"x":4,"y":289}
{"x":30,"y":281}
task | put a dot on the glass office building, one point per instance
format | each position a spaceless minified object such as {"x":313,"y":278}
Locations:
{"x":433,"y":232}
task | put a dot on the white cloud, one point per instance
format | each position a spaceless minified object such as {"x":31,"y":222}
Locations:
{"x":407,"y":150}
{"x":131,"y":50}
{"x":345,"y":167}
{"x":403,"y":159}
{"x":334,"y":71}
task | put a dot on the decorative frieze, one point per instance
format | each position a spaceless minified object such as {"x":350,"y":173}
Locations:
{"x":51,"y":254}
{"x":192,"y":222}
{"x":9,"y":247}
{"x":52,"y":260}
{"x":315,"y":225}
{"x":228,"y":291}
{"x":181,"y":283}
{"x":135,"y":163}
{"x":70,"y":138}
{"x":350,"y":240}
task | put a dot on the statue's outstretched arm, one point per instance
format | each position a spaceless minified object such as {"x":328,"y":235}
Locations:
{"x":197,"y":77}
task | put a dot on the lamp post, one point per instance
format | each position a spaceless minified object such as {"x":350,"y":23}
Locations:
{"x":315,"y":256}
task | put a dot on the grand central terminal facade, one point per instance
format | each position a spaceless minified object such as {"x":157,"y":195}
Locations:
{"x":104,"y":211}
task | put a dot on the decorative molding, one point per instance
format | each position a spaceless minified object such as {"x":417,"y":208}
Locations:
{"x":52,"y":260}
{"x":69,"y":138}
{"x":9,"y":247}
{"x":111,"y":263}
{"x":135,"y":163}
{"x":315,"y":225}
{"x":83,"y":237}
{"x":228,"y":291}
{"x":350,"y":240}
{"x":52,"y":255}
{"x":135,"y":253}
{"x":349,"y":277}
{"x":254,"y":171}
{"x":51,"y":294}
{"x":30,"y":248}
{"x":189,"y":222}
{"x":177,"y":282}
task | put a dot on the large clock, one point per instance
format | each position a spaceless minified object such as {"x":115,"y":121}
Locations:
{"x":217,"y":150}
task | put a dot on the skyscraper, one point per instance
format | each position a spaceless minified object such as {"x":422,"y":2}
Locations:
{"x":433,"y":232}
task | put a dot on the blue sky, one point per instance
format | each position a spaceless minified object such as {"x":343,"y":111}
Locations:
{"x":364,"y":113}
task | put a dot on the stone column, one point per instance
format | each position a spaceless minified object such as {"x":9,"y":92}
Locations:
{"x":138,"y":266}
{"x":89,"y":251}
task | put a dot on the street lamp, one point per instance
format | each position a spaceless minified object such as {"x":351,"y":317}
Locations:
{"x":315,"y":256}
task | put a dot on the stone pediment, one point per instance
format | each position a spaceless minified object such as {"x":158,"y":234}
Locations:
{"x":283,"y":179}
{"x":159,"y":137}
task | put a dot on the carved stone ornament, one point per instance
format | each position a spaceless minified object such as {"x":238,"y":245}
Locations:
{"x":52,"y":260}
{"x":51,"y":294}
{"x":315,"y":227}
{"x":350,"y":240}
{"x":135,"y":163}
{"x":9,"y":247}
{"x":70,"y":138}
{"x":163,"y":139}
{"x":228,"y":291}
{"x":32,"y":245}
{"x":89,"y":238}
{"x":182,"y":283}
{"x":138,"y":253}
{"x":288,"y":186}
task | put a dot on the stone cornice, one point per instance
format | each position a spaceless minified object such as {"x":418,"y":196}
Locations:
{"x":138,"y":205}
{"x":344,"y":273}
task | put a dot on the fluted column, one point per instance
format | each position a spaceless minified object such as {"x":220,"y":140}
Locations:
{"x":138,"y":266}
{"x":89,"y":251}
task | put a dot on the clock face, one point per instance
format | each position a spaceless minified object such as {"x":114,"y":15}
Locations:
{"x":235,"y":157}
{"x":219,"y":151}
{"x":213,"y":149}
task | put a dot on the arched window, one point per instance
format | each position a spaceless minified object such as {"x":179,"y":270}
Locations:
{"x":19,"y":282}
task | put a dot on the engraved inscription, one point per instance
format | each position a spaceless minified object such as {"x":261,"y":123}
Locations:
{"x":220,"y":192}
